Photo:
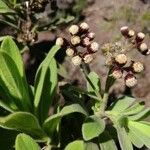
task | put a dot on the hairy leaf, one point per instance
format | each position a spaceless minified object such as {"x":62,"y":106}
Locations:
{"x":92,"y":127}
{"x":22,"y":121}
{"x":25,"y":142}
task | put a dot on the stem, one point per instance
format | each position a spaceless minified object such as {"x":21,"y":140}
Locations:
{"x":109,"y":82}
{"x":104,"y":103}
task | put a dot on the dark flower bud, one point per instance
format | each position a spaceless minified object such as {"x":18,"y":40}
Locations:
{"x":94,"y":47}
{"x":86,"y":41}
{"x":124,"y":30}
{"x":143,"y":48}
{"x":91,"y":35}
{"x":131,"y":33}
{"x":130,"y":80}
{"x":140,"y":37}
{"x":117,"y":73}
{"x":84,"y":27}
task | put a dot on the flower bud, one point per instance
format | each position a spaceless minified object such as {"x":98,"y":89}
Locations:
{"x":74,"y":29}
{"x":137,"y":67}
{"x":140,"y":37}
{"x":70,"y":52}
{"x":88,"y":58}
{"x":121,"y":59}
{"x":143,"y":48}
{"x":84,"y":26}
{"x":117,"y":73}
{"x":130,"y":80}
{"x":86,"y":41}
{"x":91,"y":35}
{"x":59,"y":41}
{"x":124,"y":30}
{"x":75,"y":40}
{"x":131,"y":33}
{"x":94,"y":47}
{"x":76,"y":60}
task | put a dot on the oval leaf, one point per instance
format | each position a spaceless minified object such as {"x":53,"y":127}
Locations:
{"x":92,"y":127}
{"x":106,"y":142}
{"x":78,"y":144}
{"x":22,"y":121}
{"x":25,"y":142}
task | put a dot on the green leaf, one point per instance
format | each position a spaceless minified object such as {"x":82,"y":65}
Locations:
{"x":92,"y":127}
{"x":12,"y":83}
{"x":51,"y":123}
{"x":122,"y":104}
{"x":6,"y":106}
{"x":4,"y":8}
{"x":49,"y":88}
{"x":135,"y":139}
{"x":45,"y":83}
{"x":136,"y":108}
{"x":25,"y":142}
{"x":141,"y":115}
{"x":124,"y":141}
{"x":9,"y":47}
{"x":141,"y":130}
{"x":78,"y":144}
{"x":91,"y":146}
{"x":106,"y":142}
{"x":24,"y":122}
{"x":94,"y":84}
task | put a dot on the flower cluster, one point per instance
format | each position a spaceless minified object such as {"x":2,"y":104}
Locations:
{"x":81,"y":46}
{"x":116,"y":56}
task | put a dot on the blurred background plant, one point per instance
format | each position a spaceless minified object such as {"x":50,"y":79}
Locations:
{"x":27,"y":18}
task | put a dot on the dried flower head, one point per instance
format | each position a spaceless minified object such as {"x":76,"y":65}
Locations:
{"x":76,"y":60}
{"x":138,"y":67}
{"x":75,"y":40}
{"x":59,"y":41}
{"x":88,"y":58}
{"x":94,"y":47}
{"x":70,"y":52}
{"x":74,"y":29}
{"x":84,"y":26}
{"x":121,"y":59}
